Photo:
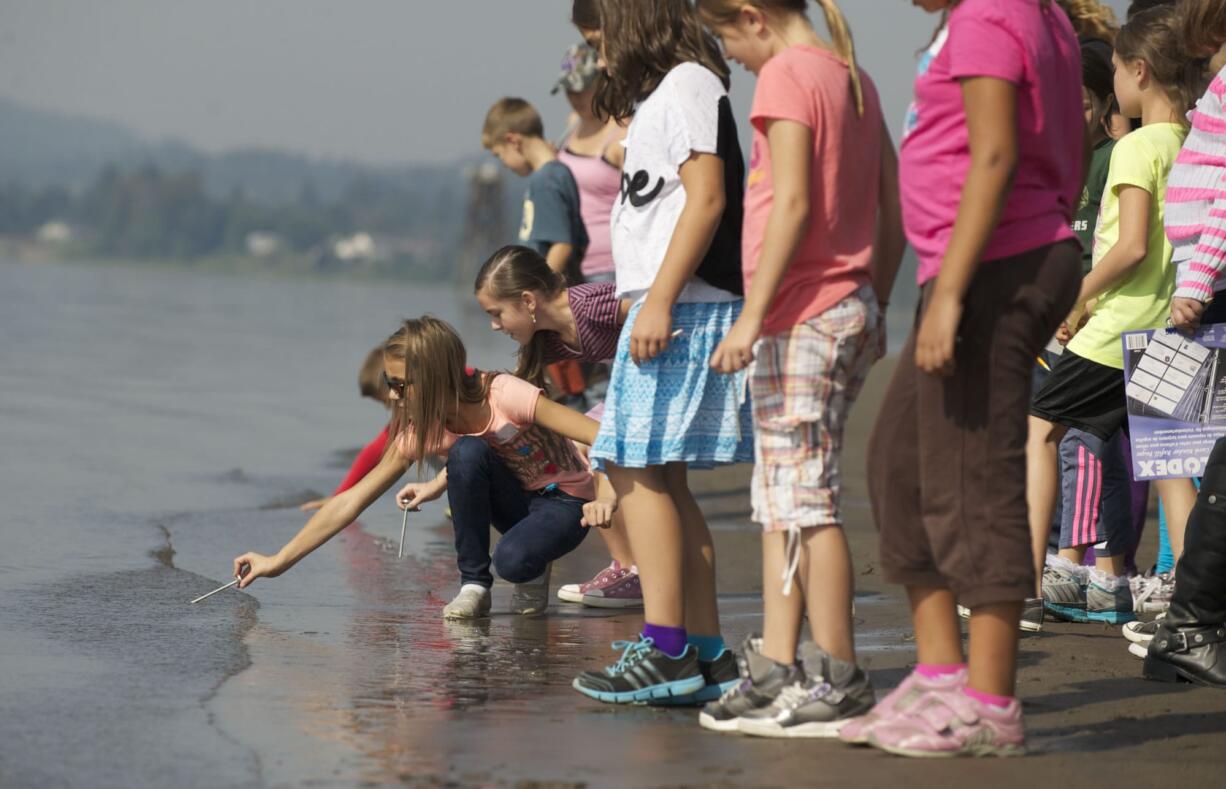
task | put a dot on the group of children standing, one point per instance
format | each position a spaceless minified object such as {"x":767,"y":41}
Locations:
{"x":744,"y":311}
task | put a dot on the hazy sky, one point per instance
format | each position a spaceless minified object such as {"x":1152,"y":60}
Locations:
{"x":373,"y":80}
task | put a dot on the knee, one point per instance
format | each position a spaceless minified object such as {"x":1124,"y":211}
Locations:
{"x":468,"y":453}
{"x":514,"y":564}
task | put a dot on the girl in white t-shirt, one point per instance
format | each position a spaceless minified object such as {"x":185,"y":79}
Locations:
{"x":511,"y":463}
{"x":675,"y":232}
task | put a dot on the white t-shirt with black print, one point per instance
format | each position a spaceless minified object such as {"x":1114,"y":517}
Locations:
{"x":689,"y":112}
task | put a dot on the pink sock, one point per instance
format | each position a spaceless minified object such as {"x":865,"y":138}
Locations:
{"x":988,"y":698}
{"x":935,"y":670}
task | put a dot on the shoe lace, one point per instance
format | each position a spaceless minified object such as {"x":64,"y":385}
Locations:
{"x":799,"y":694}
{"x":632,"y":653}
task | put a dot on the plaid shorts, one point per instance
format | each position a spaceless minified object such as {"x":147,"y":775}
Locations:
{"x":804,"y":383}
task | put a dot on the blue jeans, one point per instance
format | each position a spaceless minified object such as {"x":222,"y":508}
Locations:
{"x":536,"y":527}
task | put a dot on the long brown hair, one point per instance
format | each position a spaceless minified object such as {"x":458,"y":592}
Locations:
{"x":1156,"y":37}
{"x":724,"y":12}
{"x":643,"y":41}
{"x":435,"y":365}
{"x":1204,"y":25}
{"x":505,"y":276}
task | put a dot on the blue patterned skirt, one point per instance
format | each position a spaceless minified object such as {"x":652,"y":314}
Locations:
{"x":675,"y":407}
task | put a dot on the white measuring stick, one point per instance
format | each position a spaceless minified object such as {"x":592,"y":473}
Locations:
{"x":215,"y":591}
{"x":403,"y":522}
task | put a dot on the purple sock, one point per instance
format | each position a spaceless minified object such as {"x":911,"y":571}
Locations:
{"x":669,"y":640}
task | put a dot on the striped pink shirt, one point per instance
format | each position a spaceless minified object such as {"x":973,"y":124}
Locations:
{"x":1196,"y":199}
{"x":594,"y":307}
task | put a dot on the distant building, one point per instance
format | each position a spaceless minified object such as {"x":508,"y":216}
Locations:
{"x":359,"y":246}
{"x":262,"y":244}
{"x":55,"y":232}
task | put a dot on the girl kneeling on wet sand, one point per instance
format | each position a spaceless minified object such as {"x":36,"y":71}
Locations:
{"x":510,"y":462}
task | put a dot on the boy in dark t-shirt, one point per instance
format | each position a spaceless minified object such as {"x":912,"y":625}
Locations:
{"x":552,"y":223}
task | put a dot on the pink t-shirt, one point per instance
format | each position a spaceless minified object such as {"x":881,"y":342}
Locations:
{"x":811,"y":86}
{"x":1032,"y":45}
{"x":536,"y":456}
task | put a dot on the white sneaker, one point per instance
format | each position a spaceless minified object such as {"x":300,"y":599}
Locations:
{"x":1138,"y":650}
{"x":532,"y":597}
{"x":473,"y":602}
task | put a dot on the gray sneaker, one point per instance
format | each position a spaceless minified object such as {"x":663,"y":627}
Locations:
{"x":1064,"y":591}
{"x":761,"y":681}
{"x":833,"y":693}
{"x":473,"y":602}
{"x":1152,"y":592}
{"x":532,"y":597}
{"x":1142,"y":633}
{"x":1108,"y":599}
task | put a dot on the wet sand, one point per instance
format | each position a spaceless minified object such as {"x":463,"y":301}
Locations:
{"x":355,"y":679}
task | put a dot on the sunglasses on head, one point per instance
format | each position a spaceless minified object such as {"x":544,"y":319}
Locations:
{"x":394,"y":384}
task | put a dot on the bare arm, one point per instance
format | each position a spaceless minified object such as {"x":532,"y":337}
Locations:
{"x":340,"y":511}
{"x":890,"y":243}
{"x":702,"y":177}
{"x":1128,"y":252}
{"x":791,"y":150}
{"x":558,"y":257}
{"x":991,"y":119}
{"x":566,"y":422}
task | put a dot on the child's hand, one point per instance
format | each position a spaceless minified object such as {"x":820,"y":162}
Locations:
{"x":735,"y":351}
{"x":250,"y":566}
{"x":651,"y":333}
{"x":938,"y":336}
{"x":1185,"y":314}
{"x":1064,"y":334}
{"x":599,"y":513}
{"x":316,"y":504}
{"x":415,"y":494}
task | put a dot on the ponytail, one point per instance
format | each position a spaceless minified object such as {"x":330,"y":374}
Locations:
{"x":840,"y":36}
{"x":507,"y":274}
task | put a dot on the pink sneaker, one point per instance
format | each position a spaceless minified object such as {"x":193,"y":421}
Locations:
{"x":613,"y":587}
{"x":857,"y":730}
{"x":951,"y":723}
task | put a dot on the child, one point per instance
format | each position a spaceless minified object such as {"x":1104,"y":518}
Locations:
{"x":531,"y":303}
{"x":822,"y":167}
{"x":552,"y":222}
{"x":593,"y":153}
{"x":1132,"y":281}
{"x":370,"y":384}
{"x":676,"y":246}
{"x":508,"y":464}
{"x":989,"y":185}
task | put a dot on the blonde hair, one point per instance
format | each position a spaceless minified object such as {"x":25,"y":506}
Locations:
{"x":510,"y":115}
{"x":507,"y":274}
{"x":724,"y":12}
{"x":1091,"y":18}
{"x":435,"y":365}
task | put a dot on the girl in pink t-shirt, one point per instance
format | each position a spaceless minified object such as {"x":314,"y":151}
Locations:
{"x":989,"y":183}
{"x":510,"y":463}
{"x":822,"y":238}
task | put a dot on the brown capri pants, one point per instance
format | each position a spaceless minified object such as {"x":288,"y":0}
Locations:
{"x":947,"y":458}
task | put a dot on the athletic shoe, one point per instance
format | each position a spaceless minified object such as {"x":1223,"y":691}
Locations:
{"x":1108,"y":599}
{"x":834,"y":692}
{"x":642,"y":674}
{"x":1064,"y":589}
{"x":473,"y":602}
{"x":1152,"y":592}
{"x":613,"y":587}
{"x":950,"y":723}
{"x":532,"y":597}
{"x":914,"y":687}
{"x":720,"y":675}
{"x":1032,"y":615}
{"x":1142,"y":633}
{"x":761,"y":680}
{"x":1138,"y":650}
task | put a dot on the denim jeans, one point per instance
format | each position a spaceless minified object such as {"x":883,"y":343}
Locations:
{"x":536,"y":527}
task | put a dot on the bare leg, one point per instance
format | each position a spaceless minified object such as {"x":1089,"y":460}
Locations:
{"x":698,"y":550}
{"x":617,"y":541}
{"x":828,"y":588}
{"x":938,"y":637}
{"x":1178,"y":499}
{"x":1076,"y":555}
{"x":993,"y":648}
{"x":1042,"y":487}
{"x":781,"y":614}
{"x":654,"y":528}
{"x":1113,"y":565}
